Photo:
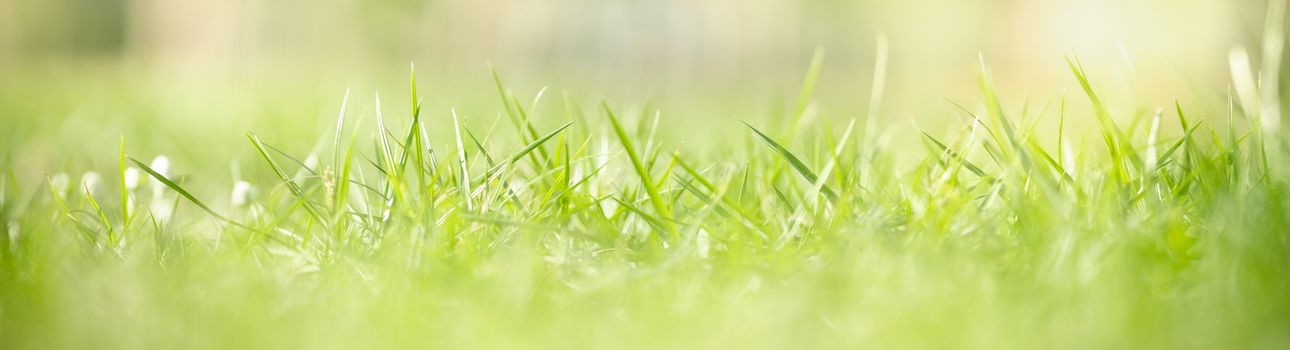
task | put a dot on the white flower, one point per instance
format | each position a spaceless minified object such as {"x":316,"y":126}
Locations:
{"x":59,"y":183}
{"x":90,"y":181}
{"x":159,"y":206}
{"x":161,"y":165}
{"x":131,"y":178}
{"x":241,"y":196}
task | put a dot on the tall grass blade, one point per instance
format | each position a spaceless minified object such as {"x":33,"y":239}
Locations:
{"x":656,"y":199}
{"x":184,"y":193}
{"x":793,"y":161}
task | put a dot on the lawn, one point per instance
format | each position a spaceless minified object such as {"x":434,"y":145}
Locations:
{"x":576,"y":222}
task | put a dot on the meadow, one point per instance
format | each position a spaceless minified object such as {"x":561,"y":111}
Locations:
{"x":550,"y":219}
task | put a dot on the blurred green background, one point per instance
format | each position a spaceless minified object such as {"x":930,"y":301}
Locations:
{"x":178,"y":76}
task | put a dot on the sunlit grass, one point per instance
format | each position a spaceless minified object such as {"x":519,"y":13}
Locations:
{"x":597,"y":233}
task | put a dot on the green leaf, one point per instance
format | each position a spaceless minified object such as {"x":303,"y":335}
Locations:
{"x":793,"y":161}
{"x":647,"y":181}
{"x":184,"y":193}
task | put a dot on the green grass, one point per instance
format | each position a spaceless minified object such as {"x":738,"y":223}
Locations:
{"x":599,"y":234}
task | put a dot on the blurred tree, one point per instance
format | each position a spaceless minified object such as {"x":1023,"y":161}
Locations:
{"x":68,"y":28}
{"x":178,"y":31}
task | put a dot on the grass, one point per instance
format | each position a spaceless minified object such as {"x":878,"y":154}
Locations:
{"x":598,"y":234}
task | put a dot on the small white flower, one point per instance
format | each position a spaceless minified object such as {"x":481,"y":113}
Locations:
{"x":241,"y":196}
{"x":161,"y":165}
{"x":131,"y":178}
{"x":90,"y":181}
{"x":159,"y":206}
{"x":59,"y":182}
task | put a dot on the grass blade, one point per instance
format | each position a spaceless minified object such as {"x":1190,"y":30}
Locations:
{"x":184,"y":193}
{"x":647,"y":181}
{"x":793,"y":161}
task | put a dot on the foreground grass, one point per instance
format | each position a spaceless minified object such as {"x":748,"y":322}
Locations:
{"x":596,"y":234}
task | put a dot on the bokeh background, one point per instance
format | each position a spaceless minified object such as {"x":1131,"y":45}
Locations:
{"x":174,"y":75}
